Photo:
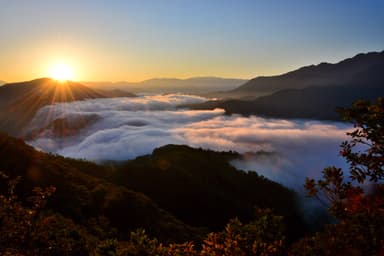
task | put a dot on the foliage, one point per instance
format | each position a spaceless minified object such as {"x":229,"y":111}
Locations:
{"x":25,"y":230}
{"x":141,"y":244}
{"x":107,"y":247}
{"x":357,"y":202}
{"x":360,"y":234}
{"x":368,"y":120}
{"x":263,"y":236}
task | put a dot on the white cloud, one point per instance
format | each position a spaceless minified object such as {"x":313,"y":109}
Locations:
{"x":124,"y":128}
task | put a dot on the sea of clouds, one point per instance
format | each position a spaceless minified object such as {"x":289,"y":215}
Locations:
{"x":286,"y":151}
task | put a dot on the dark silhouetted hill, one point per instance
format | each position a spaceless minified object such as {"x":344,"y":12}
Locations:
{"x":201,"y":188}
{"x":82,"y":192}
{"x":316,"y":102}
{"x":309,"y":103}
{"x":167,"y":192}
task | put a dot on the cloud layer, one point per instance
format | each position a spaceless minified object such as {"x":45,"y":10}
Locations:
{"x":123,"y":128}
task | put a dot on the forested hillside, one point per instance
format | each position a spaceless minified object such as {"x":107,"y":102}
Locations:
{"x":202,"y":189}
{"x":176,"y":194}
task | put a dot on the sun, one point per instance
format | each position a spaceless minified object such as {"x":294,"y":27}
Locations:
{"x":61,"y":72}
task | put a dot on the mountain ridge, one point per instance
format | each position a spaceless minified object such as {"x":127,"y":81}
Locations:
{"x":196,"y":85}
{"x":318,"y":101}
{"x":323,"y":74}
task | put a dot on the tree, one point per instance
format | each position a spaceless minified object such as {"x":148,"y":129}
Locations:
{"x":357,"y":202}
{"x":263,"y":236}
{"x":26,"y":230}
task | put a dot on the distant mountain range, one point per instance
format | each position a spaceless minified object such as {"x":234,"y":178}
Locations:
{"x":195,"y":85}
{"x":20,"y":101}
{"x":324,"y":74}
{"x":310,"y":92}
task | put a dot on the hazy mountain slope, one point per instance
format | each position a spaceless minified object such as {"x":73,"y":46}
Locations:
{"x":318,"y":102}
{"x":324,"y":74}
{"x":114,"y":93}
{"x":20,"y":101}
{"x":196,"y":85}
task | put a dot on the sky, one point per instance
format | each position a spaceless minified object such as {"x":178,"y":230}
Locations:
{"x":134,"y":40}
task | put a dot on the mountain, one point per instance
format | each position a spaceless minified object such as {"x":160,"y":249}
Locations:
{"x":314,"y":102}
{"x":320,"y":103}
{"x":176,"y":193}
{"x":115,"y":93}
{"x":201,"y":187}
{"x":323,"y":74}
{"x":195,"y":85}
{"x":2,"y":82}
{"x":20,"y":101}
{"x":84,"y":195}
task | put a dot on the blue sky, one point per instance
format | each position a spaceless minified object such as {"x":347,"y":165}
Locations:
{"x":135,"y":40}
